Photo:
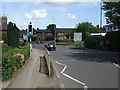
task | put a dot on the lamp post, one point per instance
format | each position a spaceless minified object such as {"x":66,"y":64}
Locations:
{"x":101,"y":43}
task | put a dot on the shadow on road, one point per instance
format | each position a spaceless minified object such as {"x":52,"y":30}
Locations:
{"x":96,"y":55}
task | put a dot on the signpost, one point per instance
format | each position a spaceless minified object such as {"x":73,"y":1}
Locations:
{"x":77,"y":37}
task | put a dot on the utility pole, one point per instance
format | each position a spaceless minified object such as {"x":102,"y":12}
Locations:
{"x":100,"y":24}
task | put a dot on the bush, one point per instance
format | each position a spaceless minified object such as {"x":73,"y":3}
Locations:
{"x":91,"y":42}
{"x":57,"y":40}
{"x":12,"y":60}
{"x":114,"y":39}
{"x":94,"y":42}
{"x":34,"y":38}
{"x":4,"y":38}
{"x":5,"y":48}
{"x":7,"y":67}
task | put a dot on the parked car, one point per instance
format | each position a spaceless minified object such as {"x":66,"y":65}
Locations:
{"x":50,"y":46}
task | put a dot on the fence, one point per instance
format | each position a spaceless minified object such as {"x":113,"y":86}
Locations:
{"x":48,"y":60}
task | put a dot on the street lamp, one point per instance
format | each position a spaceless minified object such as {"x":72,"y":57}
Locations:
{"x":101,"y":43}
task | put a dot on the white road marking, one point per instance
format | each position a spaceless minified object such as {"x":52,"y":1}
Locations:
{"x":60,"y":63}
{"x":85,"y":87}
{"x":116,"y":65}
{"x":63,"y":69}
{"x":74,"y":79}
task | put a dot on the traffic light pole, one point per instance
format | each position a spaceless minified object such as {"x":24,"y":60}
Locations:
{"x":30,"y":45}
{"x":30,"y":33}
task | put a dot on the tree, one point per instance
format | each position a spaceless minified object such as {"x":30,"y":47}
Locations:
{"x":50,"y":37}
{"x":52,"y":28}
{"x":13,"y":35}
{"x":70,"y":34}
{"x":85,"y":27}
{"x":112,"y":13}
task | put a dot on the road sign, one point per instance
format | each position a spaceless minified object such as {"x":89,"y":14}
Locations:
{"x":77,"y":36}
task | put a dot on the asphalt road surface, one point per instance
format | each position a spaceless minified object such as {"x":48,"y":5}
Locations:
{"x":86,"y":68}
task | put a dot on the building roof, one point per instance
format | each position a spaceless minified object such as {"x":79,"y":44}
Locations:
{"x":42,"y":30}
{"x":23,"y":32}
{"x":57,"y":29}
{"x":3,"y":17}
{"x":64,"y":29}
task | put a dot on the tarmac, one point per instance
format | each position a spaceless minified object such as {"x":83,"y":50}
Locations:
{"x":29,"y":76}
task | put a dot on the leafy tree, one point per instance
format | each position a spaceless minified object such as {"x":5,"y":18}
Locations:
{"x":50,"y":37}
{"x":13,"y":35}
{"x":52,"y":28}
{"x":70,"y":34}
{"x":85,"y":27}
{"x":112,"y":13}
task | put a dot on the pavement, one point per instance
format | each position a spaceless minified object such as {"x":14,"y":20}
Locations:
{"x":30,"y":77}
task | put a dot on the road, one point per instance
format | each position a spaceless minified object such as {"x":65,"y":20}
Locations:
{"x":86,"y":68}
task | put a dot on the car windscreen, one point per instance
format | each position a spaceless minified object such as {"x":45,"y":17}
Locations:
{"x":52,"y":43}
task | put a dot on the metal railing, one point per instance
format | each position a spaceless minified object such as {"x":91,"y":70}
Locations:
{"x":48,"y":60}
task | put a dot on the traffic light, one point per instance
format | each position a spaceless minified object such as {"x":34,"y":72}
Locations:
{"x":30,"y":31}
{"x":30,"y":28}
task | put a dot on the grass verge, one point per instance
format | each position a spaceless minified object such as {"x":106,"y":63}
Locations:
{"x":72,"y":44}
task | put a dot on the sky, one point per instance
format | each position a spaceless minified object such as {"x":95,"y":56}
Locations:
{"x":41,"y":14}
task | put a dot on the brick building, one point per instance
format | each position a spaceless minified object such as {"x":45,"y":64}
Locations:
{"x":60,"y":33}
{"x":3,"y":25}
{"x":43,"y":33}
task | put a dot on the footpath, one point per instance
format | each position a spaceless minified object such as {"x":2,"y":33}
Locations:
{"x":30,"y":77}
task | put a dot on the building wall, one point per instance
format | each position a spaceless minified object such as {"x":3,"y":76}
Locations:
{"x":61,"y":35}
{"x":43,"y":35}
{"x":3,"y":25}
{"x":110,"y":28}
{"x":3,"y":32}
{"x":3,"y":21}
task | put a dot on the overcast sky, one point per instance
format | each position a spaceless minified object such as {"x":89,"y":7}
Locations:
{"x":43,"y":13}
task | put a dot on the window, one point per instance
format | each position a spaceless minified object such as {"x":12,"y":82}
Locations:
{"x":58,"y":33}
{"x":64,"y":37}
{"x":61,"y":33}
{"x":60,"y":38}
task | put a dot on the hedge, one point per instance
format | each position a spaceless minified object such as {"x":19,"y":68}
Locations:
{"x":4,"y":38}
{"x":114,"y":38}
{"x":12,"y":60}
{"x":94,"y":42}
